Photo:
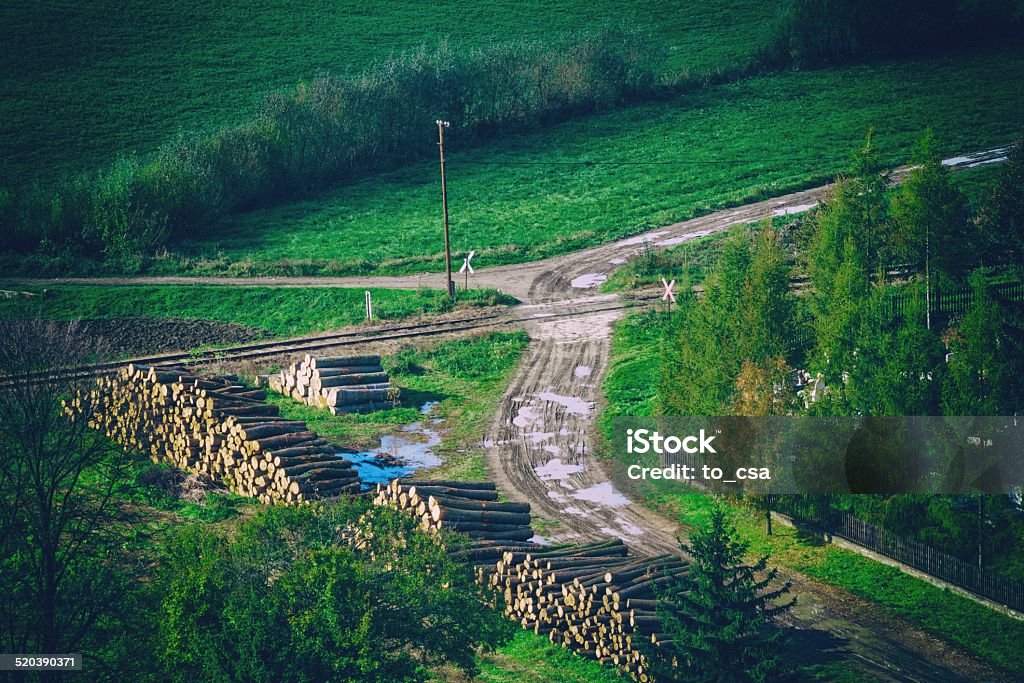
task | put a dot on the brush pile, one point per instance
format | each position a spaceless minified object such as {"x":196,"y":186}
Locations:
{"x":350,"y":384}
{"x":220,"y":428}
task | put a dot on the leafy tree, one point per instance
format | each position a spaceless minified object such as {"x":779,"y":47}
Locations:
{"x":896,"y":367}
{"x":67,"y":555}
{"x":746,"y":314}
{"x":288,"y":598}
{"x":764,"y":389}
{"x":719,"y":617}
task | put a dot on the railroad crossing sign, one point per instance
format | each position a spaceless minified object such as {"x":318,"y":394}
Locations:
{"x":669,"y":294}
{"x":467,"y":267}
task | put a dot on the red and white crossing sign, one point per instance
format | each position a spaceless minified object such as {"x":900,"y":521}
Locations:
{"x":669,"y":294}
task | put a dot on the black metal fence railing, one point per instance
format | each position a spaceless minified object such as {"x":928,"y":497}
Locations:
{"x":913,"y":553}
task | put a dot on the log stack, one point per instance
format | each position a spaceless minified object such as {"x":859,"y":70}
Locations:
{"x":220,"y":428}
{"x":348,"y":384}
{"x":470,"y":507}
{"x":594,"y":598}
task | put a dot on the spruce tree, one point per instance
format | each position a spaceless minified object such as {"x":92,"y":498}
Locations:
{"x":719,"y":616}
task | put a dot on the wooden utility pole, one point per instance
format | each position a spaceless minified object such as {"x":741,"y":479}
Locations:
{"x":450,"y":284}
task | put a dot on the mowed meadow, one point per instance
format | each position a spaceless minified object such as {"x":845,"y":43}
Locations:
{"x":615,"y":174}
{"x":125,"y":77}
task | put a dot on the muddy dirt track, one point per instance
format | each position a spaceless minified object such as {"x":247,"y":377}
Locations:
{"x":540,"y":446}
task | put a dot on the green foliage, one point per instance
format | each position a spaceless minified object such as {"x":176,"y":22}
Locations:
{"x":719,"y":616}
{"x":817,"y":32}
{"x":987,"y":357}
{"x":530,"y":658}
{"x":930,"y":216}
{"x":286,"y":599}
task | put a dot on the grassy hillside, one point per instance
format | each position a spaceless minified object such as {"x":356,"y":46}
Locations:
{"x":83,"y":81}
{"x":545,"y":193}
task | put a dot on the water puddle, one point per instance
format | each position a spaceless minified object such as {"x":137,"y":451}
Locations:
{"x":556,"y":470}
{"x":673,"y":241}
{"x":791,"y":210}
{"x":572,"y":405}
{"x":400,"y":454}
{"x":582,"y":371}
{"x":603,"y":494}
{"x":588,"y":280}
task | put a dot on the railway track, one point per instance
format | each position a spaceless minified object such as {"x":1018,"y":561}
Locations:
{"x":317,"y":342}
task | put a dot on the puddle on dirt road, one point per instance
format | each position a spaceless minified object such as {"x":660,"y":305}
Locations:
{"x":588,"y":280}
{"x":572,"y":405}
{"x":679,"y":239}
{"x":556,"y":469}
{"x":603,"y":494}
{"x":790,"y":210}
{"x":400,"y":454}
{"x":582,"y":371}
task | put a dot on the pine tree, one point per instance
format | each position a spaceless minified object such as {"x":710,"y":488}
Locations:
{"x":719,"y":617}
{"x":930,"y":219}
{"x":1001,"y":221}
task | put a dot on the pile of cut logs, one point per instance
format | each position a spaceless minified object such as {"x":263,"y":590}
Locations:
{"x":218,"y":427}
{"x":593,"y":598}
{"x":470,"y":507}
{"x":350,"y":384}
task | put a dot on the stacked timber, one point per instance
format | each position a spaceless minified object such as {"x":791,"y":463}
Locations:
{"x":217,"y":427}
{"x":595,"y":598}
{"x":348,"y":384}
{"x":470,"y":507}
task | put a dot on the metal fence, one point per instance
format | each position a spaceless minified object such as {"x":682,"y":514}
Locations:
{"x":918,"y":555}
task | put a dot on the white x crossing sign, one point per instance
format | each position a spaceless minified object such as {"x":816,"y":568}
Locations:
{"x":669,"y":294}
{"x":466,"y":266}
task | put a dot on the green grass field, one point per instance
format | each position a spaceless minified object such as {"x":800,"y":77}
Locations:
{"x":84,"y":81}
{"x":521,"y":198}
{"x":278,"y":310}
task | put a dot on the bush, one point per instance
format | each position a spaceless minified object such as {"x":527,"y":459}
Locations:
{"x":285,"y":598}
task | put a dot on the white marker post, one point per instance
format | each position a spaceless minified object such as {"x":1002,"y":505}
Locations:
{"x":369,"y":307}
{"x":467,"y":268}
{"x":669,"y":295}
